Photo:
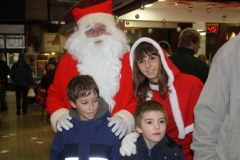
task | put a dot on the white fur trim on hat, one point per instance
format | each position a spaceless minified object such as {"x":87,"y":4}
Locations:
{"x":56,"y":115}
{"x":103,"y":18}
{"x":172,"y":94}
{"x":128,"y":118}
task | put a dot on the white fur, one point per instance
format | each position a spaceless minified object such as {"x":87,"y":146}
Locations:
{"x":100,"y":60}
{"x":128,"y":118}
{"x":56,"y":115}
{"x":103,"y":18}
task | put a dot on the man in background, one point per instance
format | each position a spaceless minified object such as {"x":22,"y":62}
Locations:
{"x":4,"y":71}
{"x":21,"y":75}
{"x":184,"y":59}
{"x":216,"y":132}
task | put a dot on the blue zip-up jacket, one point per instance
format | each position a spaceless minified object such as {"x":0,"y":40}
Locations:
{"x":165,"y":149}
{"x":21,"y":74}
{"x":85,"y":140}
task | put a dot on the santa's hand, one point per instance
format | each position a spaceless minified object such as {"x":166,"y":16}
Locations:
{"x":64,"y":122}
{"x":120,"y":126}
{"x":128,"y":147}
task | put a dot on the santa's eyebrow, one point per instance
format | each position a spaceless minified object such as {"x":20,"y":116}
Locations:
{"x":89,"y":27}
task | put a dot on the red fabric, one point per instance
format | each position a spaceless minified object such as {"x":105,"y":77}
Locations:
{"x":105,"y":7}
{"x":57,"y":93}
{"x":188,"y":89}
{"x":41,"y":97}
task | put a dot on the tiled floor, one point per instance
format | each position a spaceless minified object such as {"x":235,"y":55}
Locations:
{"x":24,"y":137}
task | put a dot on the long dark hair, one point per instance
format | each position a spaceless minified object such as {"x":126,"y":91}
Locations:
{"x":141,"y":82}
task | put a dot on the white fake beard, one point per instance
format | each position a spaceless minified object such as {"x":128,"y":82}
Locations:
{"x":100,"y":60}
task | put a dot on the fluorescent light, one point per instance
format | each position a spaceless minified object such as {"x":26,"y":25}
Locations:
{"x":148,"y":5}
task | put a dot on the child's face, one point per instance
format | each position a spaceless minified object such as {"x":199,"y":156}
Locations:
{"x":86,"y":106}
{"x":149,"y":66}
{"x":153,"y":127}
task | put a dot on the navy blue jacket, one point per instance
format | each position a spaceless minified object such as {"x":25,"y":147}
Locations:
{"x":165,"y":149}
{"x":21,"y":74}
{"x":86,"y":139}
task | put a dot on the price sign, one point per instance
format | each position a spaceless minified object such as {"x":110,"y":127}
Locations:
{"x":212,"y":28}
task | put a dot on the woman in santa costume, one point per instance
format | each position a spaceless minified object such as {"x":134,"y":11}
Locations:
{"x":100,"y":49}
{"x":155,"y":77}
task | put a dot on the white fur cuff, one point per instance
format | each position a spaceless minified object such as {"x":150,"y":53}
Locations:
{"x":128,"y":118}
{"x":56,"y":115}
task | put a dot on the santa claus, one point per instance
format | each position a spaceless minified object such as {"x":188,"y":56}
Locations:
{"x":100,"y":49}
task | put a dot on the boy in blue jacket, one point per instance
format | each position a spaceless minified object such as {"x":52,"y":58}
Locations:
{"x":90,"y":137}
{"x":151,"y":122}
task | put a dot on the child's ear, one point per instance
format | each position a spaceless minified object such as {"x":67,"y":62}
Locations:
{"x":138,"y":129}
{"x":72,"y":104}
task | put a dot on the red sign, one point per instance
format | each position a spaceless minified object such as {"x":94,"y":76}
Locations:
{"x":212,"y":28}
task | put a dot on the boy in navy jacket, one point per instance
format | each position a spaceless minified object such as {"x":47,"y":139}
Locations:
{"x":90,"y":137}
{"x":151,"y":122}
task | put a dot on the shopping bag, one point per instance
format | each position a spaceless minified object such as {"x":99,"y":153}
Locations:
{"x":31,"y":93}
{"x":41,"y":97}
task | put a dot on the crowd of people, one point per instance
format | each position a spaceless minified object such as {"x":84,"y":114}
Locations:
{"x":110,"y":101}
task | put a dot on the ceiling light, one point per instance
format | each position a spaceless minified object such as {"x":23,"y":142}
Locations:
{"x":142,"y":7}
{"x":224,"y":15}
{"x":164,"y":21}
{"x":178,"y":29}
{"x":208,"y":8}
{"x":190,"y":6}
{"x":137,"y":16}
{"x":127,"y":22}
{"x":150,"y":31}
{"x":148,"y":5}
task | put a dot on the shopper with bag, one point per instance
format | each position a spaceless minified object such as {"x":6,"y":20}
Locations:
{"x":21,"y":75}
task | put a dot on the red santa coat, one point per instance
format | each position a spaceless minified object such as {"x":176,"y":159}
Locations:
{"x":180,"y":101}
{"x":58,"y":103}
{"x":188,"y":89}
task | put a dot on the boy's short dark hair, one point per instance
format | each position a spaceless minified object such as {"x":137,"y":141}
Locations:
{"x":148,"y":106}
{"x":81,"y":86}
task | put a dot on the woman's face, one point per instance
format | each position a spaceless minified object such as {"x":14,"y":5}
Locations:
{"x":149,"y":66}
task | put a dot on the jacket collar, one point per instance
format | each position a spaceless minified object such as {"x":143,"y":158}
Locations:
{"x":155,"y":149}
{"x":185,"y":51}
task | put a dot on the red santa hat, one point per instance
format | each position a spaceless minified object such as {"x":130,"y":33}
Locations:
{"x":100,"y":13}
